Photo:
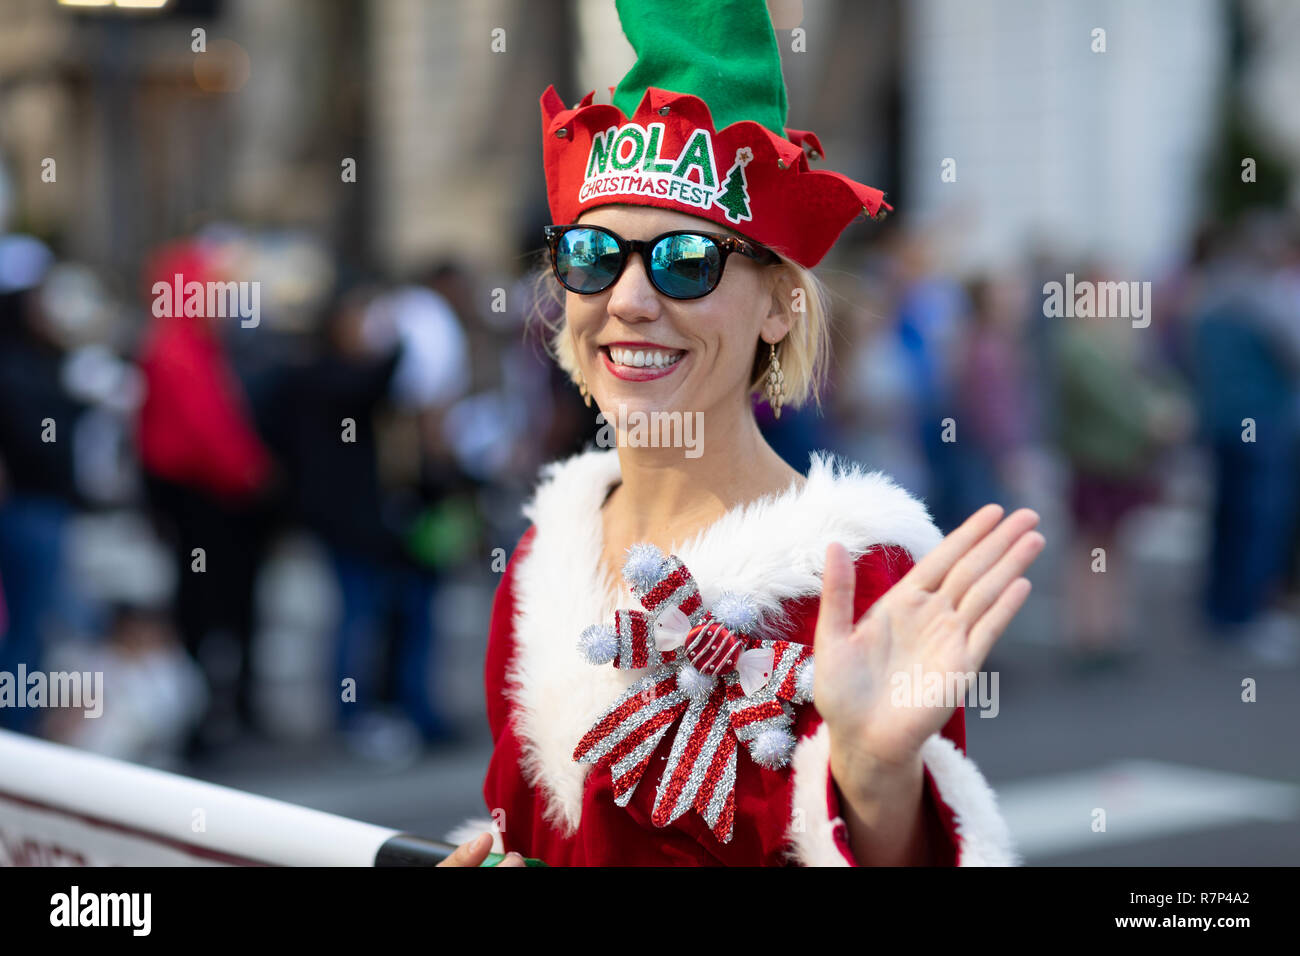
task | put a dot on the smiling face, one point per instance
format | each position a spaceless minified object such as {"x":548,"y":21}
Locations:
{"x":639,"y":348}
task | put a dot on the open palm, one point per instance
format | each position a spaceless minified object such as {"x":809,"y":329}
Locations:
{"x":943,"y":617}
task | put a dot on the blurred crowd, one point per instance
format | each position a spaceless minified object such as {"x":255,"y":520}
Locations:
{"x":400,"y":421}
{"x":385,"y":418}
{"x":974,"y":391}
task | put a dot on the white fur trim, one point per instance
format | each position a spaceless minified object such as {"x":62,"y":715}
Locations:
{"x":982,"y":835}
{"x":475,"y":827}
{"x":984,"y":839}
{"x":771,"y":549}
{"x":811,"y":825}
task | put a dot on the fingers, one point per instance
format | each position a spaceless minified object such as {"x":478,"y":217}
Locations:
{"x":995,"y":620}
{"x":971,"y":566}
{"x":512,"y":859}
{"x":929,"y":572}
{"x":835,"y":612}
{"x":984,"y":592}
{"x":472,"y":853}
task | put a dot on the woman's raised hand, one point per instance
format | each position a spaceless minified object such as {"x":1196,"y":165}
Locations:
{"x":943,"y":617}
{"x":475,"y":851}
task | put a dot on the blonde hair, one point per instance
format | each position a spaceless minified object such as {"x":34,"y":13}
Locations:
{"x":804,"y":352}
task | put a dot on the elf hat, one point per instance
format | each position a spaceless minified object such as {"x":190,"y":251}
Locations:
{"x":730,"y":159}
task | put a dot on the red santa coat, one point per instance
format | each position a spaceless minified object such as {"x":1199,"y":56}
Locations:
{"x":543,"y":696}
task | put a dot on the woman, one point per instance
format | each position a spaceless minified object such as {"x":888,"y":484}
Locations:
{"x":650,"y":669}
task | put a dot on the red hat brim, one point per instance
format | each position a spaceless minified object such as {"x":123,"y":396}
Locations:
{"x":743,"y":177}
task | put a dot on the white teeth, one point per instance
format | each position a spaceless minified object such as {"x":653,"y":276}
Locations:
{"x":643,"y":358}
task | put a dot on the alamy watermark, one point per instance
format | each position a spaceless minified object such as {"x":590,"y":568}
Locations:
{"x":78,"y":689}
{"x":638,"y":429}
{"x":1098,"y":300}
{"x":218,"y":300}
{"x":917,"y":688}
{"x":129,"y":910}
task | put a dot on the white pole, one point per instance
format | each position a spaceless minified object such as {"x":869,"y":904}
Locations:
{"x":61,"y":805}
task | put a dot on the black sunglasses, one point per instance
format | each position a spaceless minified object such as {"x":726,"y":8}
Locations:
{"x":682,"y":264}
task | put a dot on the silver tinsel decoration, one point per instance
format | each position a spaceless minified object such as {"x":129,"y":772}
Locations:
{"x":772,"y":748}
{"x":737,"y":612}
{"x":643,"y":565}
{"x":803,"y":683}
{"x":695,"y":684}
{"x":598,"y":643}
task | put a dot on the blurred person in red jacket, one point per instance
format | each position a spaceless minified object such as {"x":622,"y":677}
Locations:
{"x":208,"y":473}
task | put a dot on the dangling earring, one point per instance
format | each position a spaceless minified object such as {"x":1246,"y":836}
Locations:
{"x":582,"y":390}
{"x":775,"y":381}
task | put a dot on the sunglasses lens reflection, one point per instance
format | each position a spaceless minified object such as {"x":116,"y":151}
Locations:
{"x":685,"y":266}
{"x":587,"y":260}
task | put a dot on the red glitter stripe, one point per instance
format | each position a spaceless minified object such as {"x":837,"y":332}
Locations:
{"x":749,"y":715}
{"x":610,"y":722}
{"x":691,"y":604}
{"x":735,"y":694}
{"x":788,"y":686}
{"x":722,"y":829}
{"x":682,"y":772}
{"x":714,"y":773}
{"x":630,"y":777}
{"x":635,"y":737}
{"x":631,"y":620}
{"x":665,"y":588}
{"x":640,"y":654}
{"x":619,"y":617}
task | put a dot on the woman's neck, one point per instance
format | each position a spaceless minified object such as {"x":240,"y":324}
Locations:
{"x":666,"y":495}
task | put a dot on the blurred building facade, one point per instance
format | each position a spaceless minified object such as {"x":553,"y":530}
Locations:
{"x":151,"y":139}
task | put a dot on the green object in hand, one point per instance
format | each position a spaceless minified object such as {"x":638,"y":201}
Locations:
{"x":494,"y":859}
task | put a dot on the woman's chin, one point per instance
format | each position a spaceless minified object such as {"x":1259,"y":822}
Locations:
{"x":616,"y":405}
{"x":655,"y":396}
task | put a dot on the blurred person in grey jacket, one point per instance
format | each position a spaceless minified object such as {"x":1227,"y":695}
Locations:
{"x":1246,"y":353}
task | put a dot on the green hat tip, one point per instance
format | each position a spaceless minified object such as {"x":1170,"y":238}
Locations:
{"x":724,"y":52}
